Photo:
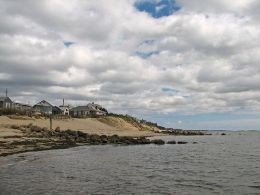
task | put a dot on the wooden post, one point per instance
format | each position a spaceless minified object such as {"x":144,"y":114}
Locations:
{"x":50,"y":122}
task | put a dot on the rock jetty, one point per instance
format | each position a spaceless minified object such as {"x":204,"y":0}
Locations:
{"x":36,"y":138}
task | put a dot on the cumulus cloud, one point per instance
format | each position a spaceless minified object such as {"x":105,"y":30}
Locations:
{"x":206,"y":53}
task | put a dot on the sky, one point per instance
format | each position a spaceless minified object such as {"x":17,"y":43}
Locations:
{"x":184,"y":64}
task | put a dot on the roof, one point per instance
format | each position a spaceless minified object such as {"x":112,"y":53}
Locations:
{"x":5,"y":99}
{"x":80,"y":108}
{"x":89,"y":107}
{"x":56,"y":109}
{"x":43,"y":103}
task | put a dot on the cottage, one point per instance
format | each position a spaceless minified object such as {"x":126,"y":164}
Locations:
{"x":43,"y":107}
{"x":5,"y":103}
{"x":97,"y":110}
{"x":22,"y":107}
{"x":65,"y":109}
{"x":88,"y":110}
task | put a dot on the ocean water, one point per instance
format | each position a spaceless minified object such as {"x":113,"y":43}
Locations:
{"x":216,"y":165}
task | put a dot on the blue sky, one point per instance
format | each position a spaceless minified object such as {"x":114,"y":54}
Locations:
{"x":157,"y":8}
{"x":184,"y":64}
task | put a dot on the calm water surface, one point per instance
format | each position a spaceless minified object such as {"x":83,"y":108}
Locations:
{"x":216,"y":165}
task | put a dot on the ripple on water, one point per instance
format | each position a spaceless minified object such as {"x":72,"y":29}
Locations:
{"x":218,"y":164}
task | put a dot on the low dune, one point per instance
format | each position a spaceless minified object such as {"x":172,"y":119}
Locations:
{"x":102,"y":126}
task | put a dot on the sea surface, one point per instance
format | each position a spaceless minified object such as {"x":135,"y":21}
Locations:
{"x":216,"y":165}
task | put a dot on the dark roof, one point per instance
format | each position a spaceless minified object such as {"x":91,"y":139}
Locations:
{"x":56,"y":109}
{"x":43,"y":103}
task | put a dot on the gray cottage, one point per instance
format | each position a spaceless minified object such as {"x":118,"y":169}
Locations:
{"x":5,"y":103}
{"x":22,"y":107}
{"x":43,"y":107}
{"x":91,"y":109}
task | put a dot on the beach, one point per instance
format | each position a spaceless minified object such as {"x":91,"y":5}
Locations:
{"x":15,"y":138}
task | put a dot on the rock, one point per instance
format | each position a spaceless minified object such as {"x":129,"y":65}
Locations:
{"x":57,"y":129}
{"x":114,"y":139}
{"x":182,"y":142}
{"x":81,"y":134}
{"x":143,"y":140}
{"x":194,"y":142}
{"x":223,"y":134}
{"x":158,"y":142}
{"x":171,"y":142}
{"x":72,"y":133}
{"x":15,"y":126}
{"x":94,"y":139}
{"x":35,"y":129}
{"x":44,"y":129}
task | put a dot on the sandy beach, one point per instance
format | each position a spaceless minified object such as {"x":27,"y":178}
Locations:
{"x":14,"y":140}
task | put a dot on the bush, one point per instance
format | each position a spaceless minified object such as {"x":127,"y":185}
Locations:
{"x":15,"y":126}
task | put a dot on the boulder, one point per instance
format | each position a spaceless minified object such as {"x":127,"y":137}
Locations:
{"x":171,"y":142}
{"x":35,"y":129}
{"x":94,"y":139}
{"x":158,"y":142}
{"x":114,"y":139}
{"x":57,"y":129}
{"x":182,"y":142}
{"x":143,"y":140}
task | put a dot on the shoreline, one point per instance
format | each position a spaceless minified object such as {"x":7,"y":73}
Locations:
{"x":29,"y":134}
{"x":35,"y":138}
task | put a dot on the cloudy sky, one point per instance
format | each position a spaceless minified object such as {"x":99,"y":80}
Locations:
{"x":185,"y":64}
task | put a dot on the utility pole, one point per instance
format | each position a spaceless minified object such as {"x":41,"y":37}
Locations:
{"x":6,"y":92}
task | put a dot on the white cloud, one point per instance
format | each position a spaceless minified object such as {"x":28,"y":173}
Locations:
{"x":208,"y":52}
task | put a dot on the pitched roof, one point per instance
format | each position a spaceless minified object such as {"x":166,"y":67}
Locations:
{"x":43,"y":103}
{"x":88,"y":107}
{"x":5,"y":99}
{"x":80,"y":108}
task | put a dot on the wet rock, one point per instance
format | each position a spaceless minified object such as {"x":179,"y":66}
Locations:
{"x":143,"y":140}
{"x":182,"y":142}
{"x":171,"y":142}
{"x":104,"y":139}
{"x":94,"y":139}
{"x":81,"y":134}
{"x":158,"y":142}
{"x":223,"y":134}
{"x":114,"y":139}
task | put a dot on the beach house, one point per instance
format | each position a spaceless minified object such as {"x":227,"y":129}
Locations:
{"x":5,"y":103}
{"x":65,"y":109}
{"x":43,"y":107}
{"x":22,"y":107}
{"x":89,"y":110}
